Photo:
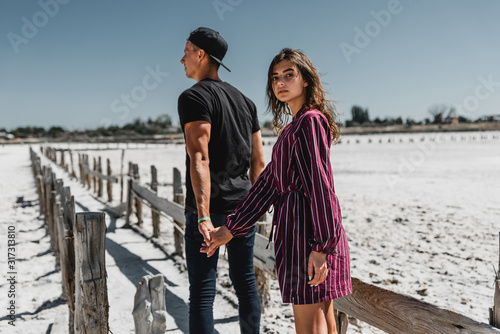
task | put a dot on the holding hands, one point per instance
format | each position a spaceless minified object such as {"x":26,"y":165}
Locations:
{"x":217,"y":237}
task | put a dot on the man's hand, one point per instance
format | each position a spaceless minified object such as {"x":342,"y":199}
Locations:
{"x":205,"y":227}
{"x":218,"y":237}
{"x":317,"y":268}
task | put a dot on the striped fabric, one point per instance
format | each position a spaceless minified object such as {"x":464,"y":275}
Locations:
{"x":299,"y":183}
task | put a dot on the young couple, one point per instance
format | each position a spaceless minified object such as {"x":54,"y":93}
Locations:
{"x":228,"y":188}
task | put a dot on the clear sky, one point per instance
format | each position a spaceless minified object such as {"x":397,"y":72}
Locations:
{"x":82,"y":64}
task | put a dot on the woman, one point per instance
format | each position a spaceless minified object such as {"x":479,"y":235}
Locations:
{"x":312,"y":255}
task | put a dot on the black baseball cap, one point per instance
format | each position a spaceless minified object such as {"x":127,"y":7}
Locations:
{"x":210,"y":41}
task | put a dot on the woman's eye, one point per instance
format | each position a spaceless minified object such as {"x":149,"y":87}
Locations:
{"x":274,"y":78}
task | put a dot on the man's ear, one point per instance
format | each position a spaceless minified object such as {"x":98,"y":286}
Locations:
{"x":201,"y":53}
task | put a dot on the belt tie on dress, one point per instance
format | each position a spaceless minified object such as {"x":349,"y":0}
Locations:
{"x":280,"y":193}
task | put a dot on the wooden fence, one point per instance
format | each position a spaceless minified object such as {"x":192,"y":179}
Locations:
{"x":385,"y":309}
{"x":78,"y":241}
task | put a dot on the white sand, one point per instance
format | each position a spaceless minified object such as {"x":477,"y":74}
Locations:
{"x":421,"y":218}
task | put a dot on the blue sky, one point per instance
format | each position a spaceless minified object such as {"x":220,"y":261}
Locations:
{"x":82,"y":64}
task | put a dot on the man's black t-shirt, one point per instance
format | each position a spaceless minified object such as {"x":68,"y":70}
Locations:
{"x":233,"y":119}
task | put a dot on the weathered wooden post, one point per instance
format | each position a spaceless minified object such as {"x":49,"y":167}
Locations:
{"x":155,"y":214}
{"x":49,"y":206}
{"x":138,"y":203}
{"x":73,"y":174}
{"x":68,"y":248}
{"x":261,"y":276}
{"x":55,"y":198}
{"x":88,"y":179}
{"x":130,"y":197}
{"x":100,"y":183}
{"x":121,"y":176}
{"x":80,"y":167}
{"x":109,"y":185}
{"x":495,"y":310}
{"x":341,"y":322}
{"x":150,"y":315}
{"x":178,"y":198}
{"x":94,"y":179}
{"x":41,"y":197}
{"x":91,"y":294}
{"x":63,"y":162}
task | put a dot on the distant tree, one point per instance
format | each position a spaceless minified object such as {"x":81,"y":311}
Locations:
{"x":55,"y":131}
{"x":410,"y":122}
{"x":438,"y":111}
{"x":359,"y":115}
{"x":39,"y":131}
{"x":377,"y":120}
{"x":427,"y":121}
{"x":164,"y":120}
{"x":463,"y":119}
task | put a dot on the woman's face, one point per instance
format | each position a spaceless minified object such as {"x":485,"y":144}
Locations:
{"x":288,"y":84}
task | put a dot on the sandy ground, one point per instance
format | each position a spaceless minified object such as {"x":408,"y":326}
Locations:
{"x":421,"y":217}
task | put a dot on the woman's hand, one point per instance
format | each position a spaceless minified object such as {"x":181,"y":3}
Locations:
{"x":317,"y":268}
{"x":218,"y":237}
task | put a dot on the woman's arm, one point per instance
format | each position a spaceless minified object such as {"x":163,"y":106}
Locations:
{"x":312,"y":151}
{"x":256,"y":203}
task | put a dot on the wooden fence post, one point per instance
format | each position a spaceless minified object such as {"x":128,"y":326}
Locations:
{"x":91,"y":294}
{"x":138,"y":203}
{"x":88,"y":178}
{"x":130,"y":197}
{"x":121,"y":177}
{"x":100,"y":183}
{"x":109,"y":185}
{"x":68,"y":248}
{"x":261,"y":276}
{"x":94,"y":178}
{"x":178,"y":198}
{"x":150,"y":315}
{"x":495,"y":310}
{"x":73,"y":174}
{"x":341,"y":321}
{"x":155,"y":214}
{"x":63,"y":162}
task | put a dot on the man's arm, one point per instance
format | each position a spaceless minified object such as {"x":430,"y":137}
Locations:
{"x":257,"y":163}
{"x":197,"y":138}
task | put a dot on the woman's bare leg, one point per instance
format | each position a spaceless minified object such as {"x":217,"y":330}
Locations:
{"x":315,"y":318}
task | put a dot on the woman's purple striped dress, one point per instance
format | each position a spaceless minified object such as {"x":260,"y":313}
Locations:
{"x":299,"y":183}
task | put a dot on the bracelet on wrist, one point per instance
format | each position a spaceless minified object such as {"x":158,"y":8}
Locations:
{"x":202,"y":219}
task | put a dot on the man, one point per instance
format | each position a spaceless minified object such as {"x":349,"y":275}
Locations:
{"x":224,"y":157}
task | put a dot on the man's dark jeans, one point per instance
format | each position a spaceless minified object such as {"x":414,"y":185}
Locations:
{"x":203,"y":273}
